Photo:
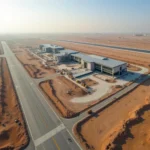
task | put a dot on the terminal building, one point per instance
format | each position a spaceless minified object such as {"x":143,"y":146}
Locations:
{"x":91,"y":62}
{"x":102,"y":64}
{"x":49,"y":48}
{"x":64,"y":55}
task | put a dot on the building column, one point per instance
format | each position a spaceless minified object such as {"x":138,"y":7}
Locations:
{"x":101,"y":68}
{"x":113,"y":72}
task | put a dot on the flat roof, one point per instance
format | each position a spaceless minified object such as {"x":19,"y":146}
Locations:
{"x":108,"y":62}
{"x":66,"y":51}
{"x":69,"y":51}
{"x":51,"y":46}
{"x":45,"y":45}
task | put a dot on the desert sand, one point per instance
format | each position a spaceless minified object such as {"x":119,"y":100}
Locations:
{"x":139,"y":133}
{"x":106,"y":125}
{"x":13,"y":135}
{"x":127,"y":56}
{"x":122,"y":40}
{"x":61,"y":90}
{"x":33,"y":65}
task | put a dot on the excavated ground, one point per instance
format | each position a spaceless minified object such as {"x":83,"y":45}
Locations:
{"x":108,"y":128}
{"x":60,"y":91}
{"x":33,"y":65}
{"x":12,"y":135}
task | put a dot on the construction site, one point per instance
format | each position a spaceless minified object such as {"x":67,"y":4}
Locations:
{"x":78,"y":80}
{"x":88,"y":79}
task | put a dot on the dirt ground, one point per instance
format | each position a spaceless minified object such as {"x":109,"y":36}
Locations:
{"x":61,"y":90}
{"x":127,"y":56}
{"x":15,"y":47}
{"x":141,"y":42}
{"x":12,"y":135}
{"x":133,"y":68}
{"x":89,"y":82}
{"x":106,"y":125}
{"x":130,"y":57}
{"x":140,"y":133}
{"x":33,"y":65}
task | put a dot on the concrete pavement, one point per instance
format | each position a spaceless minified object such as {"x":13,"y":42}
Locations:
{"x":46,"y":129}
{"x":103,"y":104}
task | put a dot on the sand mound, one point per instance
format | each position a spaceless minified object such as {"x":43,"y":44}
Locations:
{"x":12,"y":135}
{"x":113,"y":141}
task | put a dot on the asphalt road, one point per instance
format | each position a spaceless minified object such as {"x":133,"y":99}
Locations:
{"x":109,"y":46}
{"x":103,"y":104}
{"x":46,"y":130}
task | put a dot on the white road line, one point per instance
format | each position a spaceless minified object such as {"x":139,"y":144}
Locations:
{"x":45,"y":99}
{"x":48,"y":135}
{"x":22,"y":106}
{"x":31,"y":83}
{"x":17,"y":86}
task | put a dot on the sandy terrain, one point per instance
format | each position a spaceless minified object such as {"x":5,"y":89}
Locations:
{"x":33,"y":65}
{"x":106,"y":126}
{"x":141,"y":42}
{"x":131,"y":67}
{"x":130,"y":57}
{"x":106,"y":86}
{"x":88,"y":82}
{"x":61,"y":90}
{"x":15,"y":47}
{"x":139,"y":133}
{"x":12,"y":135}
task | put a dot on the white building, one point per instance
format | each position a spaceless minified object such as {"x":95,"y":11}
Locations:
{"x":103,"y":64}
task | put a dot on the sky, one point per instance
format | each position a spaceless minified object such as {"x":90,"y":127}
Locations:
{"x":74,"y":16}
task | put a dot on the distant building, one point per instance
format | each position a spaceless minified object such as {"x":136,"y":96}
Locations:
{"x":64,"y":55}
{"x":49,"y":48}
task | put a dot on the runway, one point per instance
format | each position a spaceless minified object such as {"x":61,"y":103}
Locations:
{"x":109,"y":46}
{"x":46,"y":130}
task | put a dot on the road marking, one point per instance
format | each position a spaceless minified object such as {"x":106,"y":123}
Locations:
{"x":58,"y":117}
{"x":17,"y":86}
{"x":57,"y":146}
{"x":31,"y":83}
{"x":12,"y":65}
{"x":27,"y":76}
{"x":48,"y":135}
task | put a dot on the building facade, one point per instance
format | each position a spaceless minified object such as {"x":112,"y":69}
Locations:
{"x":102,"y":64}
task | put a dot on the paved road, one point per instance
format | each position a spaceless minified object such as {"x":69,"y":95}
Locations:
{"x":109,"y":46}
{"x":47,"y":131}
{"x":70,"y":123}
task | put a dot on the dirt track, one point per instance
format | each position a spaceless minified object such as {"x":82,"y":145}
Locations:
{"x":12,"y":135}
{"x":141,"y":42}
{"x":104,"y":126}
{"x":60,"y":90}
{"x":33,"y":65}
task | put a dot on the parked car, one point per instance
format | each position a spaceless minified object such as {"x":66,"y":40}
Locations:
{"x":90,"y":112}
